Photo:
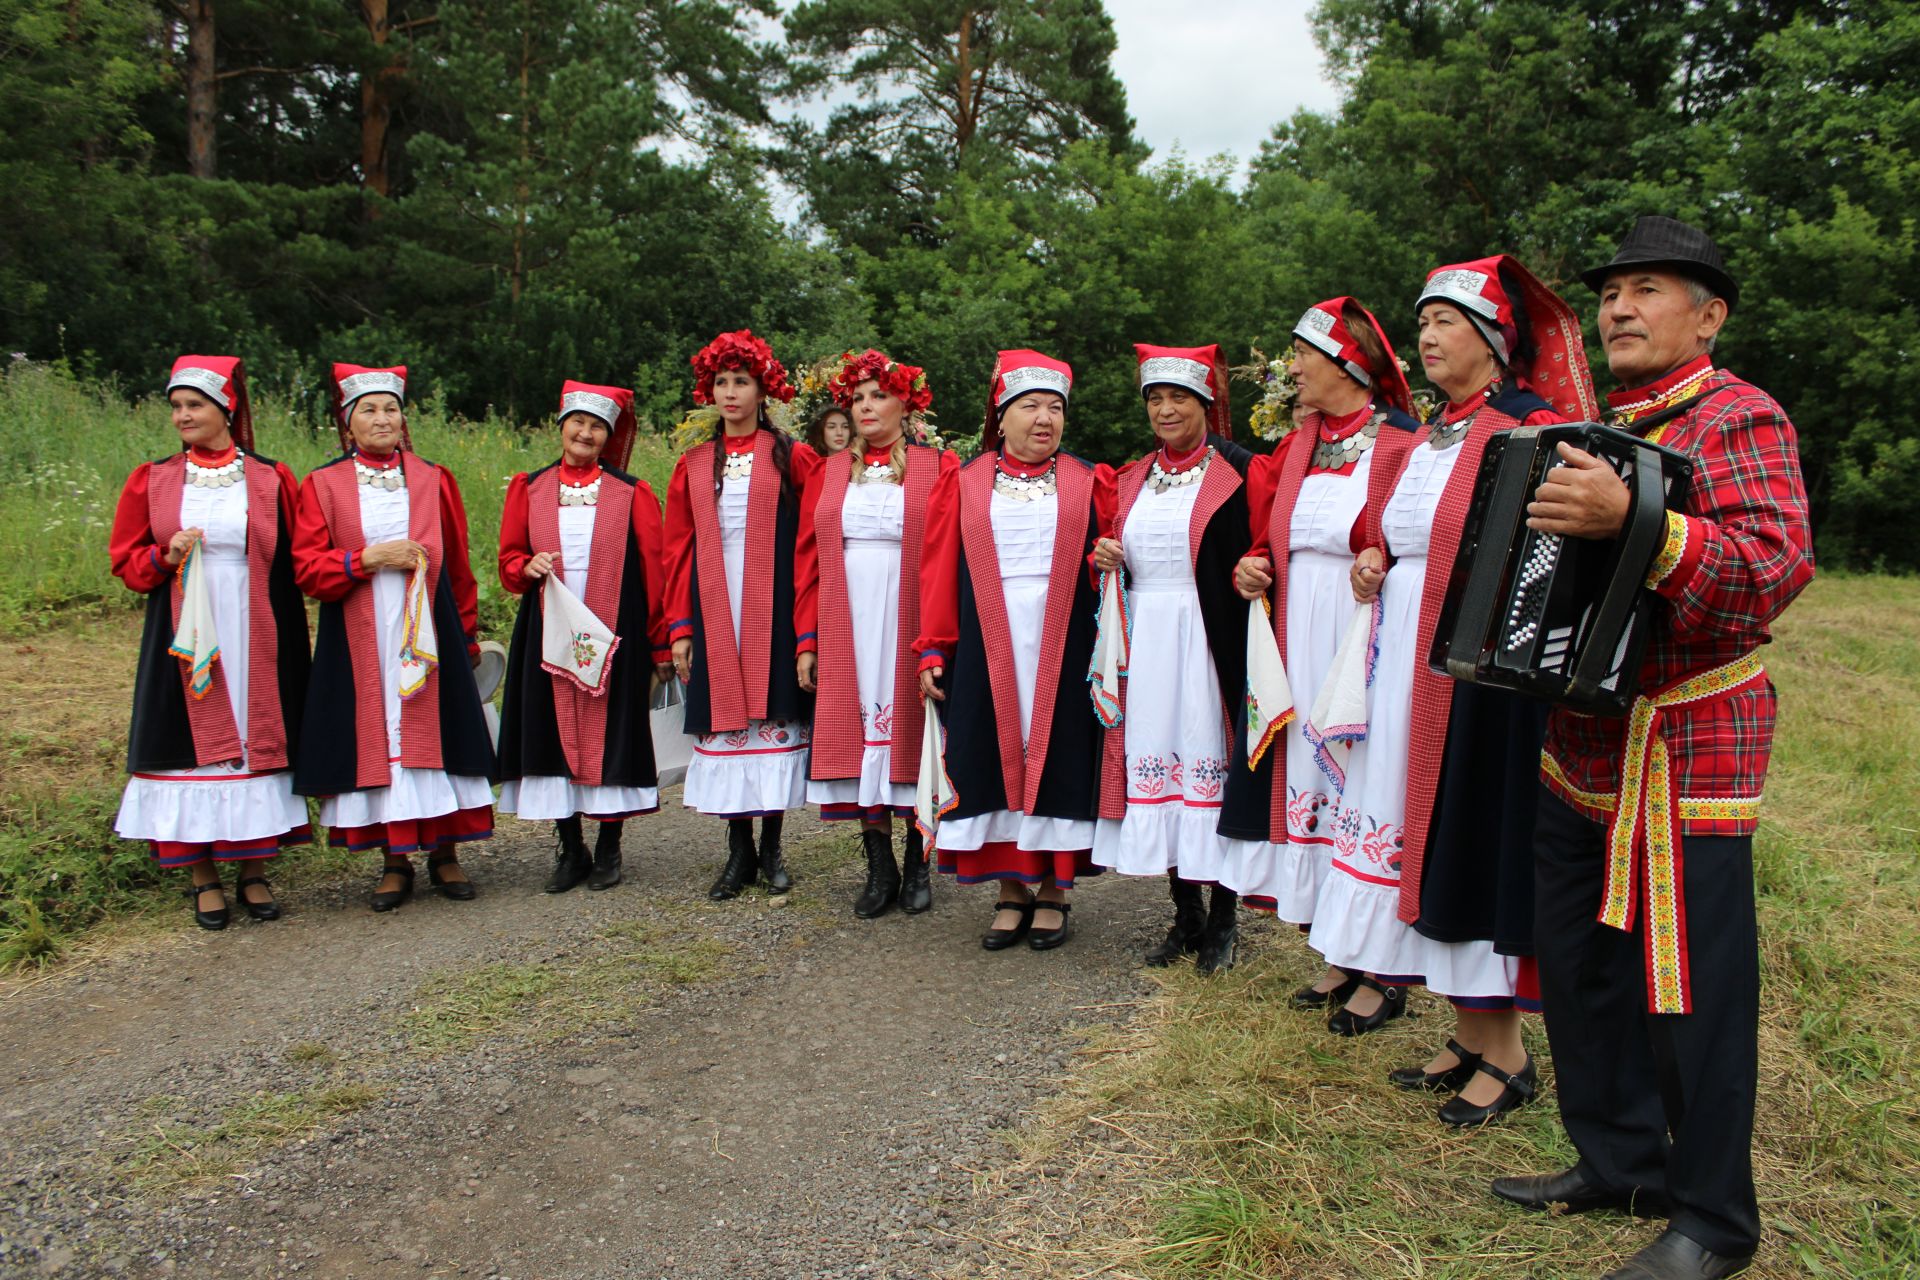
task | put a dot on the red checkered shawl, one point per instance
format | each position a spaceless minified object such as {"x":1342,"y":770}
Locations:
{"x":838,"y":741}
{"x":216,"y":738}
{"x":1432,"y":694}
{"x":581,"y":717}
{"x":1216,"y":486}
{"x":1023,"y":764}
{"x":337,"y":491}
{"x":736,"y":681}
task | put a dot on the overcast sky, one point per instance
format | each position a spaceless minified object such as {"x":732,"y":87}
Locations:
{"x":1215,"y":76}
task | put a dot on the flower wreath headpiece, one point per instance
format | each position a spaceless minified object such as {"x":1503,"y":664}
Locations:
{"x":740,"y":350}
{"x":906,"y":381}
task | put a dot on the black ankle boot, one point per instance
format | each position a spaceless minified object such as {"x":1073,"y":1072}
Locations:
{"x":773,"y":860}
{"x":738,"y":873}
{"x":883,"y":875}
{"x":916,"y":884}
{"x":571,"y":862}
{"x":1189,"y":922}
{"x":606,"y":856}
{"x":1222,"y":932}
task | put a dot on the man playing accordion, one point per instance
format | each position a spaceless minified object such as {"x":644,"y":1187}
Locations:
{"x":1648,"y":951}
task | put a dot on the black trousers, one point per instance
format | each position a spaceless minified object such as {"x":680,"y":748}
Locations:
{"x":1654,"y":1102}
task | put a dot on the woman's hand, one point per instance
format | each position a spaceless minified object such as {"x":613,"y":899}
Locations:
{"x":930,"y":683}
{"x":543,"y":564}
{"x":1108,"y":555}
{"x":178,"y":546}
{"x":663,"y":671}
{"x":1252,"y":576}
{"x":1369,"y":571}
{"x":401,"y":553}
{"x":683,"y":658}
{"x":804,"y":666}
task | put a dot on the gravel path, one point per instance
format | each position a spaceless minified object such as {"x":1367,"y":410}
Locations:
{"x":632,"y":1083}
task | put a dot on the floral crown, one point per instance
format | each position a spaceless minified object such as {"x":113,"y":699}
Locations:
{"x":740,"y":350}
{"x":906,"y":381}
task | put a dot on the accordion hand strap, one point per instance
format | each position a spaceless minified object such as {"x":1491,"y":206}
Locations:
{"x":1639,"y":541}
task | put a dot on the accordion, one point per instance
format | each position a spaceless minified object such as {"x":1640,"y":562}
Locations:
{"x":1562,"y":619}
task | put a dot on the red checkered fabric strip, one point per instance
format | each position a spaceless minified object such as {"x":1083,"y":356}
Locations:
{"x":1073,"y":479}
{"x":1113,"y":761}
{"x":581,"y":717}
{"x":989,"y":602}
{"x":210,"y":719}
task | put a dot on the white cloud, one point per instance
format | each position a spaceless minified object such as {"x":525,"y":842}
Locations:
{"x":1213,"y":76}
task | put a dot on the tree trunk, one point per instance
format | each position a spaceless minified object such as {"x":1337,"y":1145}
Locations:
{"x":202,"y":102}
{"x":965,"y":104}
{"x":376,"y":108}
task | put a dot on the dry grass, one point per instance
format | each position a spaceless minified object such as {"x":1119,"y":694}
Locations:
{"x":1222,"y":1134}
{"x":162,"y":1155}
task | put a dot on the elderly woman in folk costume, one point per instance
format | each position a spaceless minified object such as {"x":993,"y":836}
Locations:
{"x":1308,"y":503}
{"x":395,"y":741}
{"x":863,"y":533}
{"x":733,"y":518}
{"x":1169,"y":612}
{"x":206,"y":534}
{"x":1433,"y":848}
{"x":1007,"y":625}
{"x":575,"y":735}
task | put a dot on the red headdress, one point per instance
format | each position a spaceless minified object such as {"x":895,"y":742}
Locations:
{"x":1556,"y":371}
{"x":740,"y":350}
{"x":906,"y":381}
{"x":1198,"y":369}
{"x":613,"y":406}
{"x":222,"y":380}
{"x":1324,"y":328}
{"x":1014,"y":374}
{"x":351,"y":381}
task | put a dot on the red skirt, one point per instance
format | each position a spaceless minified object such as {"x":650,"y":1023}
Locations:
{"x":418,"y":834}
{"x":1005,"y":860}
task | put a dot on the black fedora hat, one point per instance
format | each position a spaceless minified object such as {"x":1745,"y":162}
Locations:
{"x":1669,"y":242}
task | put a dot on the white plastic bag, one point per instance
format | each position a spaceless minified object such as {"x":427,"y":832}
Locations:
{"x":672,"y":744}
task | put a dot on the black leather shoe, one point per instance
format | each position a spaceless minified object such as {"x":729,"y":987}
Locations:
{"x":606,"y":857}
{"x":387,"y":900}
{"x":1189,"y":923}
{"x":268,"y":910}
{"x":916,"y":883}
{"x":1574,"y":1194}
{"x":1393,"y":1003}
{"x":883,"y":875}
{"x":773,"y":861}
{"x":1516,"y":1091}
{"x":1673,"y":1256}
{"x":214,"y":920}
{"x":458,"y":890}
{"x":1001,"y":939}
{"x":1309,"y":998}
{"x":571,"y":861}
{"x":1452,"y":1080}
{"x":1222,"y":934}
{"x":741,"y":856}
{"x":1048,"y":939}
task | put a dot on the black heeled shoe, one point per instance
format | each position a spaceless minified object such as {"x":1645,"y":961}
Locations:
{"x":388,"y":899}
{"x":1454,"y":1078}
{"x":458,"y":890}
{"x":268,"y":910}
{"x":1001,"y":939}
{"x":1309,"y":998}
{"x":1048,"y":939}
{"x":1516,"y":1091}
{"x":211,"y":920}
{"x":1393,"y":1003}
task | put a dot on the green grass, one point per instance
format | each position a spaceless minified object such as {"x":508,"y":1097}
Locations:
{"x":71,"y":631}
{"x":162,"y":1155}
{"x":1223,"y":1134}
{"x":625,"y":969}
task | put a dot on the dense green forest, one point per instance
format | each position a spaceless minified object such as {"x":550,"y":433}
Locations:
{"x":503,"y":194}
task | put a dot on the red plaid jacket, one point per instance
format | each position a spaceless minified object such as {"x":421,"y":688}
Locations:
{"x":1732,"y":563}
